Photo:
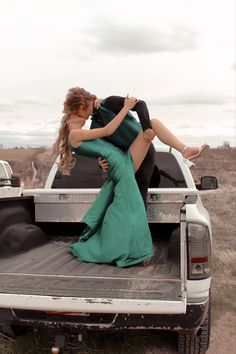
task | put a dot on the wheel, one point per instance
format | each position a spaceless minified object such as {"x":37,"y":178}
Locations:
{"x":196,"y":344}
{"x":11,"y":331}
{"x":6,"y":330}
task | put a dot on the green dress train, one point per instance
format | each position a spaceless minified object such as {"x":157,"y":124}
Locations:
{"x":116,"y":229}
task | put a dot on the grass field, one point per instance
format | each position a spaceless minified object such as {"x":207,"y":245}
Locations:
{"x":222,"y":208}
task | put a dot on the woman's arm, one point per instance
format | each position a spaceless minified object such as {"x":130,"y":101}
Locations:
{"x":78,"y":135}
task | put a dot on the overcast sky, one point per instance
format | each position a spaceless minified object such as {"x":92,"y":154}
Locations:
{"x":178,"y":56}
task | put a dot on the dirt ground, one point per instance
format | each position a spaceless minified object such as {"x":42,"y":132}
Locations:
{"x":221,"y":205}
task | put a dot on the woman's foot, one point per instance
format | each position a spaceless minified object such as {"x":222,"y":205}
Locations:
{"x":190,"y":153}
{"x":146,"y":262}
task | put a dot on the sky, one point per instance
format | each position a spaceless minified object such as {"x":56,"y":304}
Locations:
{"x":178,"y":56}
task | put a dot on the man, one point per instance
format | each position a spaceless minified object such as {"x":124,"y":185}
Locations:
{"x":103,"y":112}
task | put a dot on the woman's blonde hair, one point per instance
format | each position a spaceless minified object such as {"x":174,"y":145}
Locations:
{"x":75,"y":98}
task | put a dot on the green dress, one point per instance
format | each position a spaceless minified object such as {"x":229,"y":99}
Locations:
{"x":117,"y":229}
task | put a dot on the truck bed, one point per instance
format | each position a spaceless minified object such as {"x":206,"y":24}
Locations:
{"x":50,"y":270}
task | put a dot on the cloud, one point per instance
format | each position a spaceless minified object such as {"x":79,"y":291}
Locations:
{"x":26,"y":133}
{"x":229,"y":110}
{"x":123,"y":38}
{"x":6,"y":105}
{"x":187,"y":126}
{"x":53,"y":122}
{"x":23,"y":138}
{"x":192,"y":100}
{"x":33,"y":99}
{"x":212,"y":139}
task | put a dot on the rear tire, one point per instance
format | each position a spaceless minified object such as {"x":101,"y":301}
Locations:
{"x":11,"y":331}
{"x":196,"y":344}
{"x":6,"y":330}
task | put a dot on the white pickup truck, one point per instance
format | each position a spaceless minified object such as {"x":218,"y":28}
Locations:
{"x":9,"y":183}
{"x":41,"y":283}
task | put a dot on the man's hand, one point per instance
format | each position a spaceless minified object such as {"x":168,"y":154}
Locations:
{"x":103,"y":164}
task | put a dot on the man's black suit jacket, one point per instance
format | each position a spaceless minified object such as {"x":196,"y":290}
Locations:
{"x":144,"y":173}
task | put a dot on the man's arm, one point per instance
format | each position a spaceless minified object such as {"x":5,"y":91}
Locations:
{"x":115,"y":104}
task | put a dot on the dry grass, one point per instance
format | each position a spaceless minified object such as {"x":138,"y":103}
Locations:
{"x":222,"y":208}
{"x":21,"y":162}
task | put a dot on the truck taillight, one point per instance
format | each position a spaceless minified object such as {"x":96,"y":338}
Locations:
{"x":199,"y":251}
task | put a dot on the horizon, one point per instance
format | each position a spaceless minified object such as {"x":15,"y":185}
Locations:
{"x":224,"y":145}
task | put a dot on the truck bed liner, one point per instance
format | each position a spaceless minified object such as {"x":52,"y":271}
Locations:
{"x":51,"y":270}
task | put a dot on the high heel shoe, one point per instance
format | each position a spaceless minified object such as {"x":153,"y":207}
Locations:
{"x":200,"y":150}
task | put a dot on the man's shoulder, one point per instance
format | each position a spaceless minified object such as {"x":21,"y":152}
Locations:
{"x":114,"y":103}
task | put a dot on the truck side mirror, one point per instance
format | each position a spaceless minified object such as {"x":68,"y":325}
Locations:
{"x":15,"y":181}
{"x":208,"y":182}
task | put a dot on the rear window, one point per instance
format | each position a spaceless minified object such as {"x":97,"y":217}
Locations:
{"x":8,"y":169}
{"x":87,"y":174}
{"x":167,"y":172}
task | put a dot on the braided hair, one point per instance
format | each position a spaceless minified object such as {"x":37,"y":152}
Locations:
{"x":75,"y":98}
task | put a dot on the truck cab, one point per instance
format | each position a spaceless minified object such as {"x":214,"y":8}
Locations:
{"x":5,"y":173}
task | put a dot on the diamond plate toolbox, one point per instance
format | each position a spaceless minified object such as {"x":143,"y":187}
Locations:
{"x":163,"y":206}
{"x":62,"y":207}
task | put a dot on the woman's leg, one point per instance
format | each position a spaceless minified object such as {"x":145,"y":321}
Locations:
{"x":140,"y":146}
{"x":168,"y":138}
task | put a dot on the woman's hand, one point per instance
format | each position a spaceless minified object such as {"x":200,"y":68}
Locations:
{"x":97,"y":103}
{"x":130,"y":102}
{"x":103,"y":164}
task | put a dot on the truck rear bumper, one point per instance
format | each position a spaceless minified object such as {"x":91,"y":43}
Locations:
{"x":98,"y":304}
{"x":187,"y":323}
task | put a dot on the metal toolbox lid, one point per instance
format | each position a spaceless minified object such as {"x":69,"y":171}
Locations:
{"x":65,"y":198}
{"x":74,"y":196}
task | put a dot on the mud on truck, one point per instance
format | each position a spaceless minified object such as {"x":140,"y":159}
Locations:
{"x":43,"y":285}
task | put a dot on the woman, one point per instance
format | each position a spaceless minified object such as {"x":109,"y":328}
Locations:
{"x":116,"y":225}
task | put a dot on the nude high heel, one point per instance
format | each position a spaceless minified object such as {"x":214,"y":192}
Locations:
{"x":200,"y":150}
